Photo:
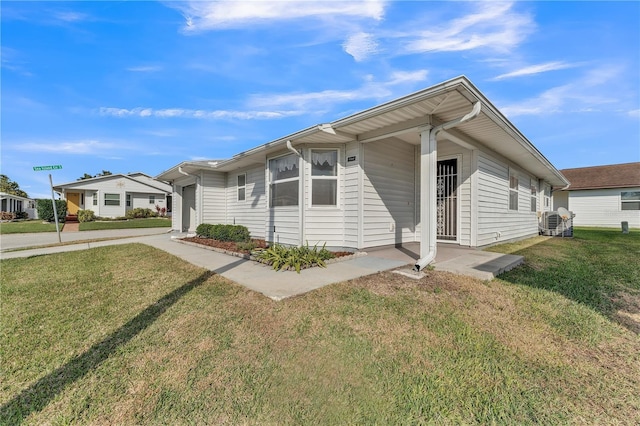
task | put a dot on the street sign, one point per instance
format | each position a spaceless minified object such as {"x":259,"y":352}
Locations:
{"x":41,"y":168}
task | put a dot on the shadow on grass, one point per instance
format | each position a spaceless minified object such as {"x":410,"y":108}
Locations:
{"x":38,"y":395}
{"x":597,"y":268}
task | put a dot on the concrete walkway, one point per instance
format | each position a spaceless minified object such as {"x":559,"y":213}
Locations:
{"x":279,"y":285}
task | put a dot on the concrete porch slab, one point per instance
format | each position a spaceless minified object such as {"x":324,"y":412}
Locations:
{"x":453,"y":258}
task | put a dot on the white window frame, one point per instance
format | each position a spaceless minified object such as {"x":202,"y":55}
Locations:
{"x":95,"y":198}
{"x":152,"y":199}
{"x":622,"y":202}
{"x":111,"y":194}
{"x":127,"y":200}
{"x":513,"y":190}
{"x":534,"y":195}
{"x":279,"y":181}
{"x":335,"y":178}
{"x":241,"y":187}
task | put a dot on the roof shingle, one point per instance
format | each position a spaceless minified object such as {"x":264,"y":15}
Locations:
{"x":599,"y":177}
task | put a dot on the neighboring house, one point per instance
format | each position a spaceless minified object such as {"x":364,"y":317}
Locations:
{"x":114,"y":195}
{"x":602,"y":195}
{"x":16,"y":204}
{"x":441,"y":164}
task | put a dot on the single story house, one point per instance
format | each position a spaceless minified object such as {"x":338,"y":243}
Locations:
{"x":602,"y":195}
{"x":15,"y":204}
{"x":113,"y":195}
{"x":439,"y":165}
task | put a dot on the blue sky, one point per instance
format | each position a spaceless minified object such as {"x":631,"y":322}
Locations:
{"x":133,"y":86}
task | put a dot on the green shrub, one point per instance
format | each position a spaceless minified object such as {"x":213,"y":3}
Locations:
{"x":283,"y":258}
{"x":204,"y":230}
{"x":235,"y":233}
{"x":86,"y":216}
{"x":45,"y":210}
{"x":22,"y":215}
{"x":140,"y":213}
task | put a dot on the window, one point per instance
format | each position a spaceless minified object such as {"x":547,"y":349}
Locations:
{"x":283,"y":181}
{"x":547,"y":196}
{"x":534,"y":196}
{"x":513,"y":192}
{"x":242,"y":183}
{"x":111,"y":199}
{"x":95,"y":198}
{"x":152,"y":199}
{"x":630,"y":200}
{"x":324,"y":178}
{"x":128,"y":200}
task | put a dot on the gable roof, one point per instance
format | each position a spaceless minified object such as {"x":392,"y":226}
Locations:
{"x":140,"y":178}
{"x":441,"y":103}
{"x":625,"y":175}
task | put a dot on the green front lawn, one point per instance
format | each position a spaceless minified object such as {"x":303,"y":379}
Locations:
{"x":164,"y":342}
{"x":27,"y":226}
{"x":154,"y":222}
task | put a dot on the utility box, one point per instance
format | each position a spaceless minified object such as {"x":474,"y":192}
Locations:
{"x":625,"y":227}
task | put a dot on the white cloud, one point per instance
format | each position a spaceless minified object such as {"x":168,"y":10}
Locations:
{"x":360,"y":46}
{"x":313,"y":100}
{"x":70,"y":147}
{"x":536,"y":69}
{"x":71,"y":16}
{"x":196,"y":114}
{"x":148,"y":68}
{"x":634,"y":113}
{"x":590,"y":93}
{"x":200,"y":15}
{"x":494,"y":26}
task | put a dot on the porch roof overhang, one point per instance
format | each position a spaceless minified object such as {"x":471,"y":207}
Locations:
{"x":405,"y":118}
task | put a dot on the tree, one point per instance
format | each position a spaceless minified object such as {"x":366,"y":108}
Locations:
{"x":88,"y":176}
{"x":11,"y":187}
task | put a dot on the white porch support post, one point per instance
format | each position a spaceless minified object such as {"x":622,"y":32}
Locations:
{"x":428,"y":182}
{"x":428,"y":164}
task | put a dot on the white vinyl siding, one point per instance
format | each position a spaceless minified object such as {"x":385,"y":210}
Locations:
{"x":250,"y":212}
{"x":495,"y":221}
{"x":324,"y":224}
{"x":388,"y":193}
{"x":602,"y":207}
{"x":213,"y":197}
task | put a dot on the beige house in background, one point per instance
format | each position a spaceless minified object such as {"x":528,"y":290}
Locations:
{"x":114,"y":195}
{"x":602,"y":195}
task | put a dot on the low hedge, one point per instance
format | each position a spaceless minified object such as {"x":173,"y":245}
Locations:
{"x":45,"y":210}
{"x":235,"y":233}
{"x":86,"y":216}
{"x":140,"y":213}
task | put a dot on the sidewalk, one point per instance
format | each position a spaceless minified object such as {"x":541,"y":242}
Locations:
{"x":280,"y":285}
{"x":253,"y":275}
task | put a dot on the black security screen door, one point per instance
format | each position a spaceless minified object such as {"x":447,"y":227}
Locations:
{"x":447,"y":199}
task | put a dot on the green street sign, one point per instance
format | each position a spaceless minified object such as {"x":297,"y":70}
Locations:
{"x":41,"y":168}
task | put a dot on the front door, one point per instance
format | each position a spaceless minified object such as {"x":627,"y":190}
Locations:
{"x":188,"y":208}
{"x":447,"y":200}
{"x":73,"y":203}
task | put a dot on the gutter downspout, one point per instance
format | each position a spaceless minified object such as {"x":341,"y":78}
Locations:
{"x":428,"y":186}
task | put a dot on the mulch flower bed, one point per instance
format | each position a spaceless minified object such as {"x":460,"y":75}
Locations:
{"x":231,"y":246}
{"x":225,"y":245}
